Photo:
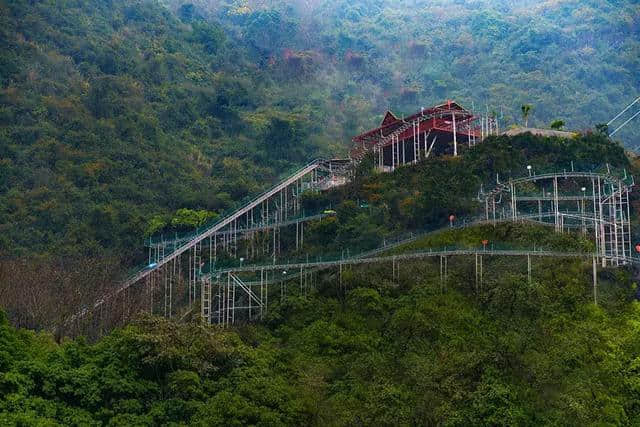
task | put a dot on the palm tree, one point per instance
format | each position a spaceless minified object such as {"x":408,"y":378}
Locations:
{"x":526,"y":109}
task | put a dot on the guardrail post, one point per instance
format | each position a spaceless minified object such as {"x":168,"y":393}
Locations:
{"x":441,"y":276}
{"x":595,"y":281}
{"x":476,"y":270}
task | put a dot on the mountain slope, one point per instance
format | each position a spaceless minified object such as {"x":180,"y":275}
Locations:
{"x":116,"y":111}
{"x":117,"y":114}
{"x":374,"y":351}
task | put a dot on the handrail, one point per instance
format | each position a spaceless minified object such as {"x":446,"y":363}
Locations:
{"x":256,"y":227}
{"x":210,"y":230}
{"x":504,"y":186}
{"x":411,"y":255}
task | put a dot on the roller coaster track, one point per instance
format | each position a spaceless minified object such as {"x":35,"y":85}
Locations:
{"x":183,"y":245}
{"x":258,"y":227}
{"x":389,"y":245}
{"x":228,"y":305}
{"x":605,"y":177}
{"x":211,"y":230}
{"x":606,"y":208}
{"x":373,"y":256}
{"x":406,"y":256}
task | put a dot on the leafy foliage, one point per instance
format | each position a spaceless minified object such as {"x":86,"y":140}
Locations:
{"x":120,"y":112}
{"x":116,"y":115}
{"x":121,"y":118}
{"x":375,"y":351}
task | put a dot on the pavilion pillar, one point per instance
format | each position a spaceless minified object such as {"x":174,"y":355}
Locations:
{"x":415,"y":148}
{"x":425,"y":144}
{"x":455,"y":136}
{"x":393,"y":154}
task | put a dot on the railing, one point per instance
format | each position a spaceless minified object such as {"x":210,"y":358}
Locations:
{"x":575,"y":170}
{"x":257,"y":225}
{"x":411,"y":255}
{"x":202,"y":234}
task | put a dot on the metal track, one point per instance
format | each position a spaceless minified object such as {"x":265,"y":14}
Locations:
{"x":222,"y":223}
{"x":408,"y":256}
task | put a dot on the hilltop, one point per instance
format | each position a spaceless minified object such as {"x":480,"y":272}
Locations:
{"x":510,"y":351}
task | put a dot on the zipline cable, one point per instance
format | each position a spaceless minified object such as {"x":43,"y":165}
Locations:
{"x":623,"y":111}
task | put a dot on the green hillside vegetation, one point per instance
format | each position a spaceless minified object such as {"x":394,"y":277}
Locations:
{"x":118,"y":114}
{"x":371,"y":349}
{"x":374,"y":351}
{"x":502,"y":236}
{"x":122,"y":119}
{"x":422,"y":197}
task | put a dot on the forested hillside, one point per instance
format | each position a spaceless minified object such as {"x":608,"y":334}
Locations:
{"x":123,"y":118}
{"x":375,"y":351}
{"x":114,"y":112}
{"x":115,"y":115}
{"x":573,"y":60}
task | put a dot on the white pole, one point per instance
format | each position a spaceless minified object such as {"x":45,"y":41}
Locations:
{"x":425,"y":143}
{"x":455,"y":136}
{"x":416,"y":149}
{"x":393,"y":154}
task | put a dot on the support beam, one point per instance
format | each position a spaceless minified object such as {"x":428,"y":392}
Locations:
{"x":455,"y":135}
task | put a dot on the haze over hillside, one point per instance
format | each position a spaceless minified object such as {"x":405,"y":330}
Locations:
{"x":575,"y":60}
{"x":146,"y":277}
{"x":119,"y":114}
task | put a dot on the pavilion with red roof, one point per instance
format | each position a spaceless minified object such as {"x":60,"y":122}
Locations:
{"x":440,"y":130}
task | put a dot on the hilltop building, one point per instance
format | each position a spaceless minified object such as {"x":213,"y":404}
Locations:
{"x":444,"y":129}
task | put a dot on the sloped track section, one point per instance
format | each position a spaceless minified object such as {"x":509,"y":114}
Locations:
{"x":182,"y":261}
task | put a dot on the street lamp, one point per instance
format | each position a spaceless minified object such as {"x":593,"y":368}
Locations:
{"x":529,"y":169}
{"x":241,"y":260}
